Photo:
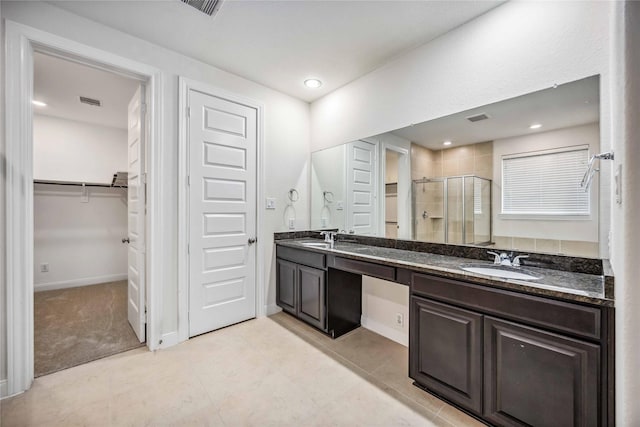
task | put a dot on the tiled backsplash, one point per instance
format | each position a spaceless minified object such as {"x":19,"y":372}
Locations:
{"x":550,"y":246}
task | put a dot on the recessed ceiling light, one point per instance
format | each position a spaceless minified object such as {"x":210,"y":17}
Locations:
{"x":535,"y":126}
{"x":38,"y":103}
{"x":446,"y":143}
{"x":313,"y":83}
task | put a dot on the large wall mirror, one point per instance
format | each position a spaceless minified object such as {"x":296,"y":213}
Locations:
{"x":506,"y":175}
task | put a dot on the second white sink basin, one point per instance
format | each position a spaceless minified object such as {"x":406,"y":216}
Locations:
{"x":500,"y":271}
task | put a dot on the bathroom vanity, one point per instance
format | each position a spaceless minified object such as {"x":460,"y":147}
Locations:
{"x":509,"y":352}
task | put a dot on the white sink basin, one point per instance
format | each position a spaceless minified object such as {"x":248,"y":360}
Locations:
{"x":500,"y":271}
{"x":316,"y":245}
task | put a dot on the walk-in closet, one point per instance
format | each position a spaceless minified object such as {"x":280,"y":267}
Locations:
{"x":81,"y":213}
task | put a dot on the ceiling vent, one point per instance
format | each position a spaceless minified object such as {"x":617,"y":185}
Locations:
{"x":478,"y":117}
{"x":210,"y":7}
{"x":91,"y":101}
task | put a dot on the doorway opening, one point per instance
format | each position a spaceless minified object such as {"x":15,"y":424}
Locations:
{"x":89,"y":213}
{"x":391,"y":195}
{"x":396,"y":176}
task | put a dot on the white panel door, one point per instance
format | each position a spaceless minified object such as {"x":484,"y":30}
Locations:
{"x":362,"y":188}
{"x":222,"y":212}
{"x":136,"y":211}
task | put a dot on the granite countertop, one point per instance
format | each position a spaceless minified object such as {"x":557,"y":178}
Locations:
{"x":572,"y":286}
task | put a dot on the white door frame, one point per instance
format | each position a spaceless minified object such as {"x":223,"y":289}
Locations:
{"x":404,"y":177}
{"x":21,"y":42}
{"x":185,"y":85}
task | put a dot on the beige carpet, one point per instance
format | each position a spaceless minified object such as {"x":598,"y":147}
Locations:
{"x":77,"y":325}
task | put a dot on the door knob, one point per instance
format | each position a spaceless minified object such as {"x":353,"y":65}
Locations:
{"x":252,"y":240}
{"x":125,"y":240}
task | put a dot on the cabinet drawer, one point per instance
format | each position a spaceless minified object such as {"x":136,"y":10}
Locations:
{"x":366,"y":268}
{"x":557,"y":315}
{"x":310,"y":258}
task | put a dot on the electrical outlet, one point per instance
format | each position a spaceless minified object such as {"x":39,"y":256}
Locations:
{"x":399,"y":319}
{"x":325,"y":223}
{"x":44,"y":267}
{"x":292,"y":223}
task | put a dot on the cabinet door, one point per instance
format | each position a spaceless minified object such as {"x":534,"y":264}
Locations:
{"x":286,"y":285}
{"x":446,"y":351}
{"x":311,"y":296}
{"x":537,"y":378}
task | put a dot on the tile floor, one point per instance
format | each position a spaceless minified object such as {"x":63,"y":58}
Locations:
{"x":272,"y":371}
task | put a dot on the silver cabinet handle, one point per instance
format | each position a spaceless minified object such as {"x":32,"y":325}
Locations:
{"x":252,"y":240}
{"x":125,"y":240}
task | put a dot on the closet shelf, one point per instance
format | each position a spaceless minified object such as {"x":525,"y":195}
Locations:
{"x":119,"y":180}
{"x":73,"y":183}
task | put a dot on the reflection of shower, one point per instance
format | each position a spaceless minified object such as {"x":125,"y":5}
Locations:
{"x":454,"y":209}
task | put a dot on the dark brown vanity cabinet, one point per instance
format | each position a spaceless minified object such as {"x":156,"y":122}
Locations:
{"x":520,"y":369}
{"x":310,"y":288}
{"x":301,"y":291}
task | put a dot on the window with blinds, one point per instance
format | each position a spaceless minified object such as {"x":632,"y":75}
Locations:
{"x":545,"y":183}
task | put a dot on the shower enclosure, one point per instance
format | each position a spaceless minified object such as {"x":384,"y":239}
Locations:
{"x":455,"y":209}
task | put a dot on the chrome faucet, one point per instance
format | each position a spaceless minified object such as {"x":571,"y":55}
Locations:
{"x":516,"y":260}
{"x":500,"y":258}
{"x":329,"y":237}
{"x":504,"y":258}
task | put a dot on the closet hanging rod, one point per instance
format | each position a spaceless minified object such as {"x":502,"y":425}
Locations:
{"x":77,"y":184}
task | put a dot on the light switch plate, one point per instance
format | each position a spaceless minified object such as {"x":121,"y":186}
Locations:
{"x":270,"y":203}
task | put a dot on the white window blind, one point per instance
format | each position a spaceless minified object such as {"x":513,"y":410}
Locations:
{"x":545,"y":183}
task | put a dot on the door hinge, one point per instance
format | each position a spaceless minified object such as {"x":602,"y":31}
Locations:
{"x":188,"y":180}
{"x":188,"y":111}
{"x":145,"y":314}
{"x":188,"y":249}
{"x":144,"y":178}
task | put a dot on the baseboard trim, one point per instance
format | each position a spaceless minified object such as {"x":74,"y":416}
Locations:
{"x":271,"y":309}
{"x":64,"y":284}
{"x":385,"y":331}
{"x":3,"y":389}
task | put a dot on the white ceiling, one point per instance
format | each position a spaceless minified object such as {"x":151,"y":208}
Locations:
{"x":60,"y":83}
{"x":281,"y":43}
{"x":567,"y":105}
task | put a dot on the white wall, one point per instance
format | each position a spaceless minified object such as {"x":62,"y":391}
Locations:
{"x":3,"y":240}
{"x":286,"y":135}
{"x":81,"y":242}
{"x":585,"y":230}
{"x":381,"y":302}
{"x":67,"y":150}
{"x":514,"y":49}
{"x":625,"y":245}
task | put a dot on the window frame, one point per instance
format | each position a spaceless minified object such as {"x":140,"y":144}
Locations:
{"x":548,"y":216}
